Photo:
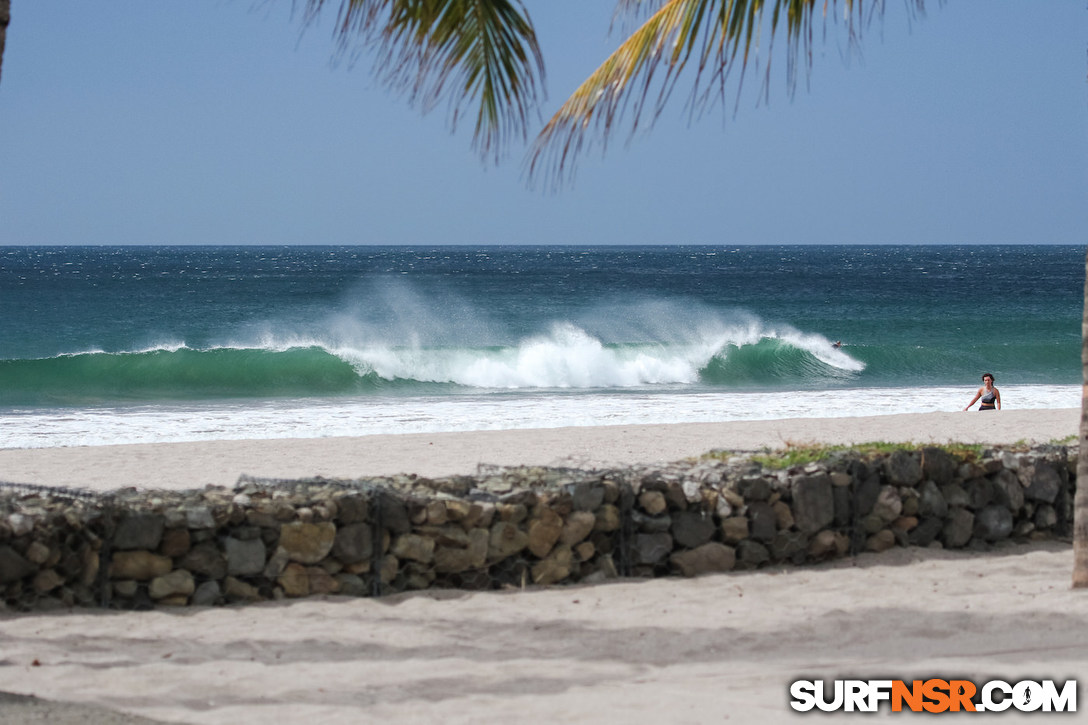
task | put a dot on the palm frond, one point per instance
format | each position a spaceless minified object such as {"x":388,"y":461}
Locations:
{"x":716,"y":37}
{"x":465,"y":52}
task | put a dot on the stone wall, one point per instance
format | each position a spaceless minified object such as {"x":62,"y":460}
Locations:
{"x":512,"y":526}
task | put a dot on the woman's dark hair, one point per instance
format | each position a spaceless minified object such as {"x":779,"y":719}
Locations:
{"x":990,"y":376}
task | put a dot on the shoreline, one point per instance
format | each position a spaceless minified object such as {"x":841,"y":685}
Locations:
{"x":221,"y":462}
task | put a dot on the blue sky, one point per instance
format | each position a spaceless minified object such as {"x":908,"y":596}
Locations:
{"x":222,"y":122}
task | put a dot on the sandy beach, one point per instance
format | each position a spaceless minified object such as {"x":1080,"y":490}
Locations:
{"x":220,"y":462}
{"x":715,"y":649}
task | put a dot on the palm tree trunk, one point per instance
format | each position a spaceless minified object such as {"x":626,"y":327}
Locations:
{"x":1080,"y":499}
{"x":5,"y":18}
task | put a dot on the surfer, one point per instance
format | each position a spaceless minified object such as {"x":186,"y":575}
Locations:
{"x":988,"y":396}
{"x":837,"y":344}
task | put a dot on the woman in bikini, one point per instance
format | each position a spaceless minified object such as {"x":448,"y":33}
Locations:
{"x":988,"y":396}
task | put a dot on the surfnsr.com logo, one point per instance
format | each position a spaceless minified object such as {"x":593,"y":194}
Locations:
{"x":933,"y":695}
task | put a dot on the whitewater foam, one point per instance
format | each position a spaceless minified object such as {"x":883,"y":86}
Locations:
{"x":319,"y":418}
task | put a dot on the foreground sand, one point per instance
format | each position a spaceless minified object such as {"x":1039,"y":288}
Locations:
{"x":716,"y":649}
{"x":188,"y":465}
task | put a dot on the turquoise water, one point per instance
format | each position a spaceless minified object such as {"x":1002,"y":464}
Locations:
{"x":89,"y":328}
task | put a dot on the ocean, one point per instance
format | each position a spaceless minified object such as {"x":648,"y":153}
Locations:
{"x":103,"y":345}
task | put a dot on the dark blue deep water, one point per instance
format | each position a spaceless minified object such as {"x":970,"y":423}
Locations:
{"x":105,"y":325}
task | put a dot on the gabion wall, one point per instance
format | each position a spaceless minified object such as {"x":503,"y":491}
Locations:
{"x":511,"y":527}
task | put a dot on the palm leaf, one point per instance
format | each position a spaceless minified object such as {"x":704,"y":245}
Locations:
{"x":466,"y":52}
{"x":717,"y":37}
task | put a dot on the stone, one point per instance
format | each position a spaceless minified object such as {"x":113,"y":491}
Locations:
{"x":888,"y":505}
{"x":931,"y":502}
{"x":246,"y":533}
{"x":206,"y":595}
{"x":734,"y":499}
{"x":938,"y":465}
{"x":905,"y":523}
{"x":295,"y":580}
{"x":513,"y":513}
{"x":448,"y":560}
{"x":652,"y":548}
{"x":175,"y":542}
{"x":652,"y":502}
{"x":734,"y":529}
{"x":20,"y":524}
{"x":577,"y":527}
{"x":880,"y":541}
{"x":1007,"y":490}
{"x":871,"y":524}
{"x":544,"y":531}
{"x":1042,"y":482}
{"x":139,"y":565}
{"x":177,"y":583}
{"x":199,"y":517}
{"x":321,"y":581}
{"x":390,"y":567}
{"x":587,"y":496}
{"x":139,"y":531}
{"x":126,"y":588}
{"x":414,"y":547}
{"x":783,"y":516}
{"x":813,"y":502}
{"x":841,"y":479}
{"x":828,"y":544}
{"x":789,"y":546}
{"x":352,"y":508}
{"x":693,"y":491}
{"x":453,"y":535}
{"x":955,"y":495}
{"x":393,"y":514}
{"x":505,"y":539}
{"x":751,"y":554}
{"x":308,"y":543}
{"x":843,"y":498}
{"x":467,"y":513}
{"x":958,"y":528}
{"x":993,"y":523}
{"x":585,"y":551}
{"x":353,"y":543}
{"x":436,"y":513}
{"x":926,"y":532}
{"x":902,"y":469}
{"x":1045,"y":517}
{"x":351,"y":585}
{"x":708,"y":558}
{"x":244,"y":558}
{"x":691,"y":529}
{"x":866,"y":494}
{"x":205,"y":559}
{"x":47,"y":580}
{"x":608,"y":518}
{"x":754,"y":488}
{"x":555,"y":567}
{"x":650,"y":524}
{"x":674,"y":494}
{"x":89,"y":563}
{"x":979,"y":493}
{"x":911,"y":502}
{"x":237,"y":590}
{"x":722,"y":507}
{"x":761,"y":521}
{"x":37,"y":553}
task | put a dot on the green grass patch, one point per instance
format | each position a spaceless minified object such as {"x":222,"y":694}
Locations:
{"x":803,"y":454}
